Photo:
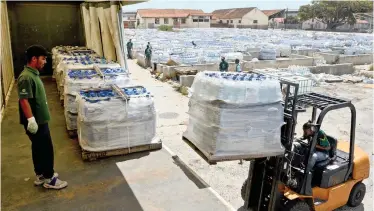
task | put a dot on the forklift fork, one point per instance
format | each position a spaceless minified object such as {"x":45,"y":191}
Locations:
{"x":262,"y":185}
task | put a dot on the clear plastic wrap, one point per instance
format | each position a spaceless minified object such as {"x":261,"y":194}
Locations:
{"x":247,"y":126}
{"x":106,"y":121}
{"x":268,"y":54}
{"x":236,"y":88}
{"x":76,"y":80}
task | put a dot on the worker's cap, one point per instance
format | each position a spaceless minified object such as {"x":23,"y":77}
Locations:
{"x":36,"y":50}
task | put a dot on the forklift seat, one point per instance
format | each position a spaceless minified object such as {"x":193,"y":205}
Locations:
{"x":333,"y":170}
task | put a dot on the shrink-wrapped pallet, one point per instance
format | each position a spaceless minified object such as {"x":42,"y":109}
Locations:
{"x":268,"y":54}
{"x":107,"y":122}
{"x":77,"y":80}
{"x":235,"y":115}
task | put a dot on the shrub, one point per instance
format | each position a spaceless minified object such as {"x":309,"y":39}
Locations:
{"x":165,"y":28}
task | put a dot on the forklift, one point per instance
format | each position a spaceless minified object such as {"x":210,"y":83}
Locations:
{"x":282,"y":182}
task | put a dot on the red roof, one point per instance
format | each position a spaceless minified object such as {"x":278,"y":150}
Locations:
{"x":169,"y":13}
{"x":271,"y":12}
{"x":279,"y":20}
{"x":231,"y":13}
{"x":361,"y":21}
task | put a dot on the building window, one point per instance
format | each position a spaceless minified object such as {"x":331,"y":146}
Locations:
{"x":166,"y":20}
{"x":227,"y":21}
{"x":195,"y":20}
{"x":220,"y":21}
{"x":231,"y":21}
{"x":183,"y":21}
{"x":157,"y":20}
{"x":240,"y":21}
{"x":206,"y":20}
{"x":255,"y":21}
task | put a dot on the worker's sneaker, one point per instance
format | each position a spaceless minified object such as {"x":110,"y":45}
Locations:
{"x":55,"y":183}
{"x":40,"y":179}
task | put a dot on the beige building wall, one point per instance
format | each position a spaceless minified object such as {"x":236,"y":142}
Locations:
{"x":253,"y":16}
{"x":146,"y":22}
{"x":192,"y":24}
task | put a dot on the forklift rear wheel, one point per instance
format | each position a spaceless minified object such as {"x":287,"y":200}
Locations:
{"x":357,"y":195}
{"x":244,"y":187}
{"x":297,"y":205}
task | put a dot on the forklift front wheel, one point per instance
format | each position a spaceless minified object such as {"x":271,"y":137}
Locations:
{"x":297,"y":205}
{"x":357,"y":195}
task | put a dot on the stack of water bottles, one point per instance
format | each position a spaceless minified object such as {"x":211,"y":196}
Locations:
{"x":235,"y":114}
{"x":107,"y":120}
{"x":268,"y":54}
{"x":76,"y":80}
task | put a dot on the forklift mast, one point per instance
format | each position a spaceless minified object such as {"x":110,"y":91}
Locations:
{"x":261,"y":190}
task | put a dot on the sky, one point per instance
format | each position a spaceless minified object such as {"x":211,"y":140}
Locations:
{"x":210,"y":5}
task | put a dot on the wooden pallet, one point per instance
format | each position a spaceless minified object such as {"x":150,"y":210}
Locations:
{"x":213,"y":159}
{"x":91,"y":156}
{"x":72,"y":133}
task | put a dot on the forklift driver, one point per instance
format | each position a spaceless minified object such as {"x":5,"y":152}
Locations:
{"x":322,"y":147}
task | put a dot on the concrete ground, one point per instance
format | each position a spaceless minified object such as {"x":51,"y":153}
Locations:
{"x":151,"y":181}
{"x":102,"y":184}
{"x":227,"y":177}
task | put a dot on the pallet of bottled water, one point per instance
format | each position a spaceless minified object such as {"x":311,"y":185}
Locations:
{"x":235,"y":115}
{"x":111,"y":118}
{"x":76,"y":80}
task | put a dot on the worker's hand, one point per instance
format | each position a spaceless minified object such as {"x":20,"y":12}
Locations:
{"x":32,"y":126}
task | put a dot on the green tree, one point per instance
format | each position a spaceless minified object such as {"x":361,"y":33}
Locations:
{"x":334,"y":13}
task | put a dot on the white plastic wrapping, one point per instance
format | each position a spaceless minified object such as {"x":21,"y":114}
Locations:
{"x":76,"y":80}
{"x":222,"y":41}
{"x":236,"y":88}
{"x":110,"y":122}
{"x":242,"y":118}
{"x":268,"y":54}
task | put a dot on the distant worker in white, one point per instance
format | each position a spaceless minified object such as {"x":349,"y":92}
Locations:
{"x":238,"y":67}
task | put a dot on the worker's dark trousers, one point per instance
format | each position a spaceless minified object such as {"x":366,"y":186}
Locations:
{"x":129,"y":54}
{"x":42,"y":151}
{"x":148,"y":62}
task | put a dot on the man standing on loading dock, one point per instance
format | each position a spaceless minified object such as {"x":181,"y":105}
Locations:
{"x":34,"y":116}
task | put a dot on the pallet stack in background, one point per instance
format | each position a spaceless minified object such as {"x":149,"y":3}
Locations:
{"x":105,"y":120}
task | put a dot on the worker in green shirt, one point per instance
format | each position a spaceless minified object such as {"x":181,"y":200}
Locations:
{"x":148,"y":56}
{"x":322,"y":147}
{"x":34,"y":116}
{"x":223,"y":66}
{"x":129,"y":49}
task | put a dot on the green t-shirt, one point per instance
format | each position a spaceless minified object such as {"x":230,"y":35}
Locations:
{"x":223,"y":66}
{"x":322,"y":139}
{"x":148,"y":52}
{"x":129,"y":45}
{"x":31,"y":87}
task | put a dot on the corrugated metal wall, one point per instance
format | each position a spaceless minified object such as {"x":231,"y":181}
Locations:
{"x":46,"y":23}
{"x":6,"y":60}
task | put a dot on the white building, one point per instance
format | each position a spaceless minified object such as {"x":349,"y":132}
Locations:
{"x":241,"y":17}
{"x":178,"y":18}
